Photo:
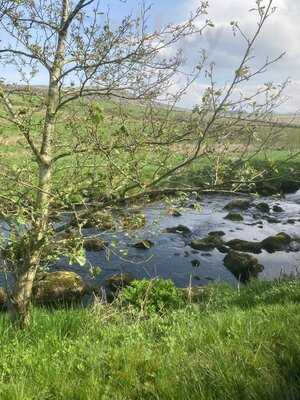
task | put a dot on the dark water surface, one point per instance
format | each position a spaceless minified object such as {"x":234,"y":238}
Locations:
{"x":172,"y":257}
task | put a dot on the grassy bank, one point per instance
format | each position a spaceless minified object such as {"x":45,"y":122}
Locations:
{"x":90,"y":174}
{"x":232,"y":344}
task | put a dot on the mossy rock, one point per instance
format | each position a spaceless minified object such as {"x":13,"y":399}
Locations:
{"x":182,"y":229}
{"x":94,"y":244}
{"x":234,"y":217}
{"x":59,"y":286}
{"x":280,"y":242}
{"x":245,"y":246}
{"x":263,"y":207}
{"x":238,"y":204}
{"x":208,"y":243}
{"x":242,"y":266}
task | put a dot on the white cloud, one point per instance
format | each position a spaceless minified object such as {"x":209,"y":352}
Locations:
{"x":281,"y":33}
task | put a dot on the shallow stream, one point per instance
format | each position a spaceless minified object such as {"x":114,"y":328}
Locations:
{"x":171,"y":255}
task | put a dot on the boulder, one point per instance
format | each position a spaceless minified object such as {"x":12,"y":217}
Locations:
{"x":279,"y":242}
{"x":263,"y":207}
{"x":238,"y":204}
{"x":94,"y":244}
{"x":245,"y":246}
{"x":59,"y":286}
{"x":234,"y":217}
{"x":182,"y":229}
{"x":242,"y":266}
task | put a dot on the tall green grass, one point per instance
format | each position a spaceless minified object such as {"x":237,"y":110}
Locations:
{"x":234,"y":344}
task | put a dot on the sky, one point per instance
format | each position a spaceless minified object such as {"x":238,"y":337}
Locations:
{"x":280,"y":34}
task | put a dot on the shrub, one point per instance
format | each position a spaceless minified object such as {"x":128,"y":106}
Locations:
{"x":152,"y":296}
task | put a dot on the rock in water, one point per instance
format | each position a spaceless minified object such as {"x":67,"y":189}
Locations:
{"x":210,"y":242}
{"x":184,"y":230}
{"x":143,"y":244}
{"x":238,"y":204}
{"x":263,"y":207}
{"x":277,"y":208}
{"x":272,"y":220}
{"x":94,"y":244}
{"x":291,"y":221}
{"x":58,"y":286}
{"x":279,"y":242}
{"x":217,"y":233}
{"x":234,"y":217}
{"x":242,"y":266}
{"x":245,"y":245}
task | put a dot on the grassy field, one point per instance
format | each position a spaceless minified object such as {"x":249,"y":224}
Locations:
{"x":103,"y":173}
{"x":232,"y":345}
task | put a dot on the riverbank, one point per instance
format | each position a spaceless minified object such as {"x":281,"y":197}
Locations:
{"x":232,"y":344}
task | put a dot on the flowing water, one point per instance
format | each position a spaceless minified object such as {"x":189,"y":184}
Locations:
{"x":171,"y":255}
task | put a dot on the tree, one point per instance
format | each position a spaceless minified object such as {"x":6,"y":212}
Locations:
{"x":86,"y":59}
{"x":84,"y":56}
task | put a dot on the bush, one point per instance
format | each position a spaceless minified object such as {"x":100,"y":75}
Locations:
{"x":154,"y":296}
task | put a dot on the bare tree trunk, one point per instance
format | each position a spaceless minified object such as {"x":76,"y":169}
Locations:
{"x":21,"y":296}
{"x":22,"y":292}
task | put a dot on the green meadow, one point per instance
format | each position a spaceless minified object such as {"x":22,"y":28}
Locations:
{"x":231,"y":344}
